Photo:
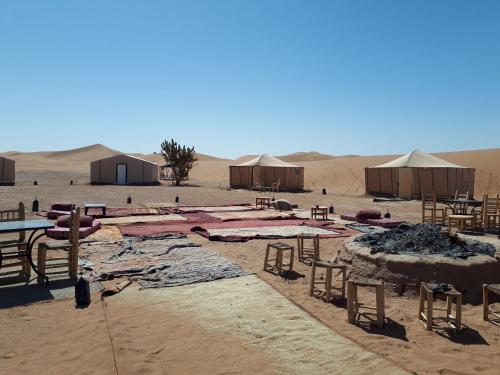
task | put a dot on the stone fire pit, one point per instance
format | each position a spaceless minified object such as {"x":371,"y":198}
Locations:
{"x":412,"y":261}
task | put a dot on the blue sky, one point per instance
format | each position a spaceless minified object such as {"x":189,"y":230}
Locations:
{"x":245,"y":77}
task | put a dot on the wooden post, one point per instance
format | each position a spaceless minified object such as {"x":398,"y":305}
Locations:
{"x":485,"y":302}
{"x":344,"y":274}
{"x":328,"y":284}
{"x":429,"y":310}
{"x":266,"y":258}
{"x":380,"y":300}
{"x":292,"y":256}
{"x":313,"y":278}
{"x":458,"y":315}
{"x":351,"y":300}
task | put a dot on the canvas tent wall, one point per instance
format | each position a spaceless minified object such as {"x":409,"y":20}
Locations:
{"x":418,"y":172}
{"x":268,"y":170}
{"x":7,"y":171}
{"x":124,"y":169}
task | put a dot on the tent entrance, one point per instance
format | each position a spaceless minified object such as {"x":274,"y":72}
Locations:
{"x":121,"y":174}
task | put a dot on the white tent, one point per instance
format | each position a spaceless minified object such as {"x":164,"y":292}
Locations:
{"x":418,"y":172}
{"x":268,"y":170}
{"x":418,"y":159}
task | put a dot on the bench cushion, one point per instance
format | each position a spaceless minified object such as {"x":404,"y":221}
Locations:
{"x":368,"y":213}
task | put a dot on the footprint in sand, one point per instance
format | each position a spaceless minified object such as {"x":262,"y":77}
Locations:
{"x":8,"y":355}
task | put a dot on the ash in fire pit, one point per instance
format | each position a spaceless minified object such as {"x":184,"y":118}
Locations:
{"x":424,"y":239}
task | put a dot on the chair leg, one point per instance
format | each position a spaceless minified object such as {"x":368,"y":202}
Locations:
{"x":313,"y":278}
{"x":485,"y":302}
{"x":42,"y":257}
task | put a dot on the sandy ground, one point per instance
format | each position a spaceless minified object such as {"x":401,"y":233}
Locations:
{"x":46,"y":333}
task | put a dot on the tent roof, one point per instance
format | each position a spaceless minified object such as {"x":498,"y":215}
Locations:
{"x":6,"y":158}
{"x":419,"y":159}
{"x":128,"y":156}
{"x":266,"y":160}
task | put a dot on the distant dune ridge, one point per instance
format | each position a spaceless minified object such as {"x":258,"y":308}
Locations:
{"x":339,"y":174}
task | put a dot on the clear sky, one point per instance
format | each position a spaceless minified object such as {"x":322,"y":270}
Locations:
{"x":244,"y":77}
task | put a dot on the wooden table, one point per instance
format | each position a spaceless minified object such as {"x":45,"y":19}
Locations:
{"x":463,"y":204}
{"x":101,"y":206}
{"x":40,"y":225}
{"x":262,"y":202}
{"x":426,"y":313}
{"x":320,"y":211}
{"x":353,"y":304}
{"x":280,"y":247}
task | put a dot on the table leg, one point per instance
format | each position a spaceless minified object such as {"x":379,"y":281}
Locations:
{"x":31,"y":242}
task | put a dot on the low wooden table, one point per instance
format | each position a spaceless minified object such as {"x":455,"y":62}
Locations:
{"x":101,"y":206}
{"x":353,"y":304}
{"x":321,"y":287}
{"x":461,"y":221}
{"x":426,"y":313}
{"x":262,"y":202}
{"x":495,"y":289}
{"x":280,"y":247}
{"x":308,"y":254}
{"x":320,"y":211}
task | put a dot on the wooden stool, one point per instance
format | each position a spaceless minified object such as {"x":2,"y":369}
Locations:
{"x":461,"y":221}
{"x":307,"y":254}
{"x":427,"y":294}
{"x":320,"y":211}
{"x":353,"y":305}
{"x":493,"y":288}
{"x":278,"y":261}
{"x":262,"y":202}
{"x":325,"y":292}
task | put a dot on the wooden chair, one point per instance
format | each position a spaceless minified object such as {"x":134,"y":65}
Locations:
{"x":491,"y":212}
{"x":70,"y":246}
{"x":307,"y":254}
{"x":275,"y":186}
{"x":455,"y":210}
{"x":17,"y":257}
{"x":430,"y":212}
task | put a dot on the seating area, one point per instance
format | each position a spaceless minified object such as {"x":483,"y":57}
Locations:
{"x":462,"y":212}
{"x":60,"y":235}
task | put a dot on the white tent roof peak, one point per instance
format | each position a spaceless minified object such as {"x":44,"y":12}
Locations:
{"x":419,"y":159}
{"x":266,"y":160}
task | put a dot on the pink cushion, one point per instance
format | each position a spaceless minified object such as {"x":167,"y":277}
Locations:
{"x":52,"y":215}
{"x":350,"y":217}
{"x":368,"y":213}
{"x":64,"y":221}
{"x":384,"y":223}
{"x":62,"y":233}
{"x":61,"y":207}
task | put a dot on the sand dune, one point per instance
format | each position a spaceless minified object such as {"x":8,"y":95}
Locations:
{"x":343,"y":175}
{"x":305,"y":156}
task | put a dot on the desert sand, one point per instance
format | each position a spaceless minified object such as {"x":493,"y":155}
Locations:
{"x":151,"y":334}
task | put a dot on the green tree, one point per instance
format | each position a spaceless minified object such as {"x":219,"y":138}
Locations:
{"x":180,"y":158}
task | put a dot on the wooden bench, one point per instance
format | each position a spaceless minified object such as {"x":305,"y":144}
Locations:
{"x":278,"y":265}
{"x":426,"y":307}
{"x":321,"y":285}
{"x":353,"y":305}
